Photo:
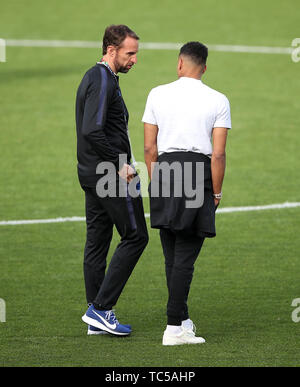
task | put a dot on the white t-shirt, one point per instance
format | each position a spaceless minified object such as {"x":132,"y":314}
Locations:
{"x":186,"y":111}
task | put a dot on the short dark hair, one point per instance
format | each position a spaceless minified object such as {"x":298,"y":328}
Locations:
{"x":197,"y":51}
{"x":114,"y":35}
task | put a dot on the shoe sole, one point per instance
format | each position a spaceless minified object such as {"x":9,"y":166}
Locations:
{"x":170,"y":343}
{"x":90,"y":332}
{"x":97,"y":324}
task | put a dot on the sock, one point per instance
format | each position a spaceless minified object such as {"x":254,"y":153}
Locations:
{"x":98,"y":307}
{"x":174,"y":329}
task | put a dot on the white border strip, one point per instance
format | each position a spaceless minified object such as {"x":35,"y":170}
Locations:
{"x":40,"y":221}
{"x":52,"y":43}
{"x":259,"y":208}
{"x":220,"y":210}
{"x":147,"y":46}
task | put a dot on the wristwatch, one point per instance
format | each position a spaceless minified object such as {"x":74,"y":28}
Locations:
{"x":218,"y":196}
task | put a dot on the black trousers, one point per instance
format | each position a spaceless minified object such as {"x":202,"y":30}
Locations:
{"x":180,"y":251}
{"x":103,"y":287}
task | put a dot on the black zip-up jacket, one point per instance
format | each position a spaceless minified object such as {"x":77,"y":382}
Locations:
{"x":101,"y":121}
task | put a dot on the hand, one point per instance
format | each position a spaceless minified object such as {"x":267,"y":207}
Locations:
{"x":217,"y":202}
{"x":127,"y":173}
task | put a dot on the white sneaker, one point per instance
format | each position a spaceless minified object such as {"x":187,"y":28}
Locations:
{"x":186,"y":336}
{"x":188,"y":324}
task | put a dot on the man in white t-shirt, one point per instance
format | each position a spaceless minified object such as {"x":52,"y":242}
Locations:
{"x":181,"y":120}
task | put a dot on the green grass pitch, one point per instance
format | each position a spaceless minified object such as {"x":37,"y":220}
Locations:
{"x":245,"y":279}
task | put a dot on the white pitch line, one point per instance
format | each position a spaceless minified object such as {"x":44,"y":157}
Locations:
{"x":51,"y":43}
{"x":147,"y":215}
{"x":40,"y":221}
{"x":147,"y":46}
{"x":259,"y":208}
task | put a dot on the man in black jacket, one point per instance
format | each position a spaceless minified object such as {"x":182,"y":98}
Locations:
{"x":103,"y":140}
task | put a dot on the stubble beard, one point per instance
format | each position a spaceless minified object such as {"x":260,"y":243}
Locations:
{"x":123,"y":70}
{"x":120,"y":69}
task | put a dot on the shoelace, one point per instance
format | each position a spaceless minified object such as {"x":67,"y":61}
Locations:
{"x":111,"y":317}
{"x":191,"y":331}
{"x":194,"y":328}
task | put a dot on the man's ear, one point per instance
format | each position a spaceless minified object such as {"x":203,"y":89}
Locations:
{"x":179,"y":64}
{"x":111,"y":51}
{"x":204,"y":69}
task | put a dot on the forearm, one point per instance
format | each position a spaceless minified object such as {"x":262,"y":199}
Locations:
{"x":150,"y":155}
{"x":95,"y":117}
{"x":218,"y":164}
{"x":102,"y":147}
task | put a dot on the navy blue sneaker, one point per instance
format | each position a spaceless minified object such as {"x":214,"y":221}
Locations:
{"x":97,"y":331}
{"x":106,"y":321}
